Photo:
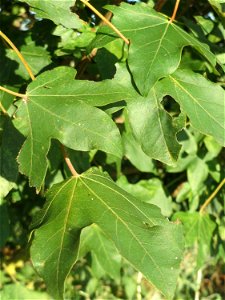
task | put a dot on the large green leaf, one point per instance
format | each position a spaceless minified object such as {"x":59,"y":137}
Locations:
{"x":59,"y":107}
{"x":145,"y":238}
{"x":202,"y":100}
{"x":57,"y":11}
{"x":153,"y":128}
{"x":155,"y":43}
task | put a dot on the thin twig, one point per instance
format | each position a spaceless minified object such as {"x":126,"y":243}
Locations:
{"x":174,"y":11}
{"x":3,"y":109}
{"x":210,"y":198}
{"x":139,"y":279}
{"x":198,"y":284}
{"x":82,"y":65}
{"x":13,"y":93}
{"x":105,"y":20}
{"x":159,"y":5}
{"x":68,"y":162}
{"x":18,"y":54}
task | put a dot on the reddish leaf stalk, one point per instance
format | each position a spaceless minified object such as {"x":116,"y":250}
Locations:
{"x":68,"y":162}
{"x":175,"y":11}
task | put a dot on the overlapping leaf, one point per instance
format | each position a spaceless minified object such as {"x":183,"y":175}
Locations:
{"x":18,"y":291}
{"x":103,"y":251}
{"x":10,"y":143}
{"x":198,"y":230}
{"x":219,"y":7}
{"x":149,"y":191}
{"x":140,"y":233}
{"x":57,"y":11}
{"x":155,"y":43}
{"x":8,"y":79}
{"x":135,"y":154}
{"x":154,"y":129}
{"x":59,"y":107}
{"x":202,"y":100}
{"x":37,"y":58}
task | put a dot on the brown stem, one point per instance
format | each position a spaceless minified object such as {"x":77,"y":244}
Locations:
{"x":82,"y":65}
{"x":210,"y":198}
{"x":68,"y":162}
{"x":175,"y":11}
{"x":104,"y":19}
{"x":18,"y":54}
{"x":159,"y":5}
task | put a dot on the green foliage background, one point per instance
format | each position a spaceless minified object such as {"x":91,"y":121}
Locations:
{"x":151,"y":115}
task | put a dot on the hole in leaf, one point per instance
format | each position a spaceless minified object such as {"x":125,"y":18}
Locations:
{"x":171,"y":106}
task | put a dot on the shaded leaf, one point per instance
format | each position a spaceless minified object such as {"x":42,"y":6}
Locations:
{"x":10,"y":143}
{"x":37,"y":58}
{"x":8,"y":79}
{"x":17,"y":291}
{"x":197,"y":173}
{"x":134,"y":152}
{"x":212,"y":146}
{"x":188,"y":141}
{"x":5,"y":187}
{"x":146,"y":239}
{"x":202,"y":100}
{"x":57,"y":11}
{"x":102,"y":249}
{"x":5,"y":222}
{"x":153,"y":128}
{"x":206,"y":24}
{"x":219,"y":7}
{"x":149,"y":191}
{"x":198,"y":230}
